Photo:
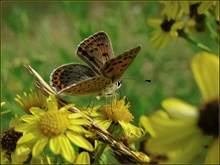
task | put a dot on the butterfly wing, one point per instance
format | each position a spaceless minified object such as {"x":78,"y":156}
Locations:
{"x":115,"y":68}
{"x":96,"y":50}
{"x":93,"y":86}
{"x":69,"y":74}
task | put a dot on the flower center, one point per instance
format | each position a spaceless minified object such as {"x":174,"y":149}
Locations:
{"x":166,"y":25}
{"x":209,"y":118}
{"x":9,"y":139}
{"x":53,"y":123}
{"x":118,"y":110}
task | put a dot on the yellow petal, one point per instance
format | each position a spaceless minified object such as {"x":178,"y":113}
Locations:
{"x":185,"y":6}
{"x":80,"y":122}
{"x":179,"y":109}
{"x":205,"y":5}
{"x":67,"y":150}
{"x":154,"y":22}
{"x":103,"y":123}
{"x":83,"y":158}
{"x":29,"y":118}
{"x":37,"y":111}
{"x":165,"y":140}
{"x":205,"y":69}
{"x":39,"y":145}
{"x":173,"y":10}
{"x":164,"y":40}
{"x":76,"y":128}
{"x":52,"y":103}
{"x":75,"y":115}
{"x":79,"y":140}
{"x":66,"y":107}
{"x":130,"y":129}
{"x":26,"y":138}
{"x":147,"y":125}
{"x":55,"y":145}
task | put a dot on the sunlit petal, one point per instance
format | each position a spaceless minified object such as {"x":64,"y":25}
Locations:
{"x":79,"y":140}
{"x":40,"y":145}
{"x":83,"y":158}
{"x":205,"y":68}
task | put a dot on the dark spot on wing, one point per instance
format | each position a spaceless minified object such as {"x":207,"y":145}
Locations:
{"x":105,"y":54}
{"x":111,"y":70}
{"x":91,"y":58}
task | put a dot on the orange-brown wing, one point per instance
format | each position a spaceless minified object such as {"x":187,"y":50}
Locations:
{"x":94,"y":86}
{"x":115,"y":68}
{"x":96,"y":50}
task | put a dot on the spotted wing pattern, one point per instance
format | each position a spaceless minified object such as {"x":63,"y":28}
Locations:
{"x":96,"y":50}
{"x":94,"y":86}
{"x":68,"y":74}
{"x":115,"y":67}
{"x":101,"y":77}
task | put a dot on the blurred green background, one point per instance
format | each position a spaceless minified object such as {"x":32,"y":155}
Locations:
{"x":46,"y":35}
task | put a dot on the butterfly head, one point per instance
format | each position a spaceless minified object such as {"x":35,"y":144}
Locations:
{"x":110,"y":90}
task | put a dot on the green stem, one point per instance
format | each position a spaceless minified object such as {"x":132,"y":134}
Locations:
{"x":200,"y":45}
{"x":212,"y":32}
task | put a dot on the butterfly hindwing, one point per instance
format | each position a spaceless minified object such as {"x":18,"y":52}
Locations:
{"x":92,"y":86}
{"x":69,"y":74}
{"x":96,"y":50}
{"x":115,"y":68}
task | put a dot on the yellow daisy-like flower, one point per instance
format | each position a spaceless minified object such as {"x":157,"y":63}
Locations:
{"x":13,"y":153}
{"x":166,"y":29}
{"x":180,"y":130}
{"x":56,"y":127}
{"x":31,"y":100}
{"x":118,"y":112}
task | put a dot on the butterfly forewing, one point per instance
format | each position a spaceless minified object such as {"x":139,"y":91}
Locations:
{"x":69,"y":74}
{"x":96,"y":50}
{"x":115,"y":68}
{"x":93,"y":86}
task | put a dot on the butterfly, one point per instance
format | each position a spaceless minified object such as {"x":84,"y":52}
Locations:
{"x":102,"y":75}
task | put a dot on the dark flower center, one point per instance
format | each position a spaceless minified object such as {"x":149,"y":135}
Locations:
{"x":167,"y":24}
{"x":9,"y":139}
{"x":209,"y":118}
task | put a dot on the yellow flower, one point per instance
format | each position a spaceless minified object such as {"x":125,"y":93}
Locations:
{"x":180,"y":130}
{"x":118,"y":112}
{"x":13,"y":153}
{"x":56,"y":127}
{"x":31,"y":100}
{"x":166,"y":29}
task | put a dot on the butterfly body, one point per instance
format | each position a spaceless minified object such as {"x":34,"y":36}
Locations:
{"x":101,"y":77}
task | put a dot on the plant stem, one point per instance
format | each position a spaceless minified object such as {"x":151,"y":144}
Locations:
{"x":200,"y":45}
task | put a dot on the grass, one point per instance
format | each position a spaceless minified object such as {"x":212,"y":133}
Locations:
{"x":46,"y":35}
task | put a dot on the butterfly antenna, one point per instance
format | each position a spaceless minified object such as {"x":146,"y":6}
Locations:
{"x":130,"y":78}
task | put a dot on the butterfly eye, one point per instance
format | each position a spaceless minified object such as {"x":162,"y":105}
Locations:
{"x":119,"y":84}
